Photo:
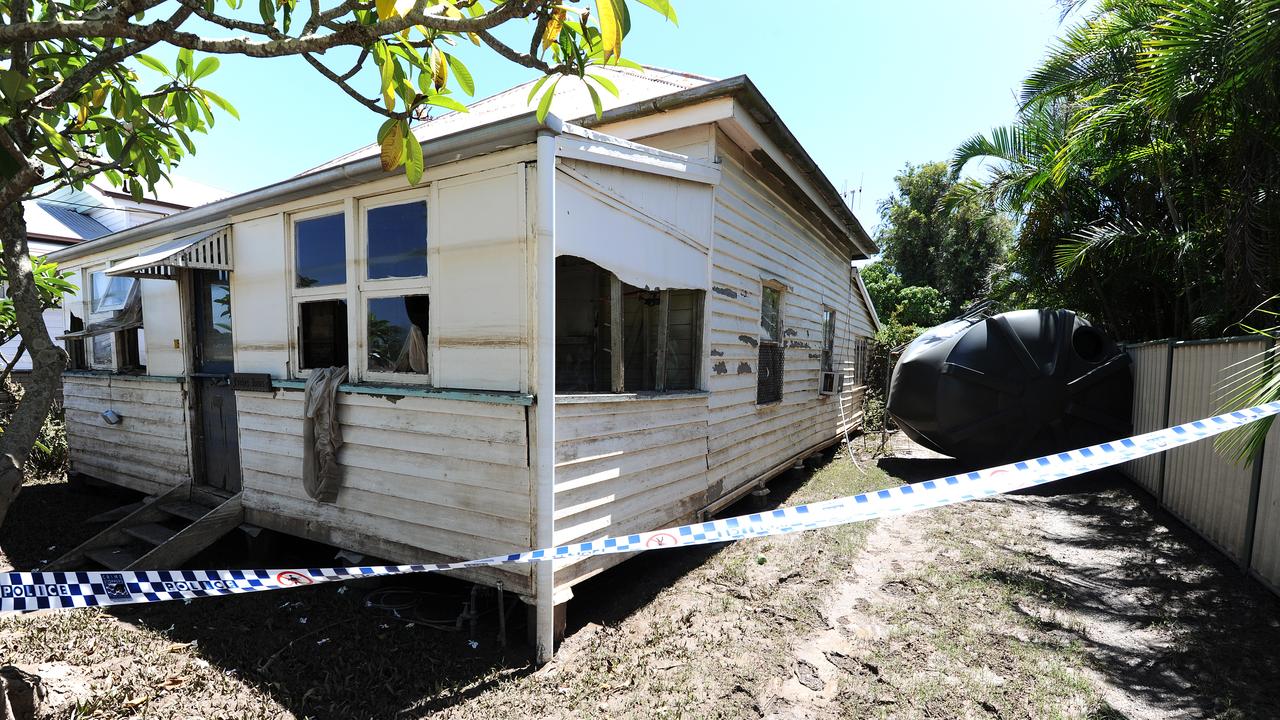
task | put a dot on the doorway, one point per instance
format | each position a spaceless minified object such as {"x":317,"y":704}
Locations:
{"x":217,"y":443}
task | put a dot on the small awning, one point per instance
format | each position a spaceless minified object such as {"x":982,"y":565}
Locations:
{"x":205,"y":250}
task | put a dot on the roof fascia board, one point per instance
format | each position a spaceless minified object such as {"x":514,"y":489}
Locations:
{"x":866,"y":298}
{"x":743,"y":129}
{"x":579,"y":143}
{"x":703,"y":113}
{"x":501,"y":135}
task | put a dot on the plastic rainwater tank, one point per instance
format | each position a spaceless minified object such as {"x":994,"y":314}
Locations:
{"x":1014,"y":386}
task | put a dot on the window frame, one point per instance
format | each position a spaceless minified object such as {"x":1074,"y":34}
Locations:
{"x":358,"y":289}
{"x":90,"y":316}
{"x":300,"y":295}
{"x":779,"y":343}
{"x":827,"y":355}
{"x":366,"y":289}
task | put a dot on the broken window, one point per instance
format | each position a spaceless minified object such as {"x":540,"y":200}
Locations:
{"x":112,"y":339}
{"x":828,"y":339}
{"x":109,"y":293}
{"x":769,"y":369}
{"x":657,"y":333}
{"x":397,"y":241}
{"x":320,"y":251}
{"x":397,"y":334}
{"x":322,"y":334}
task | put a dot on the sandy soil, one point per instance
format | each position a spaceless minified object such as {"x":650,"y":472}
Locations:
{"x":1081,"y":601}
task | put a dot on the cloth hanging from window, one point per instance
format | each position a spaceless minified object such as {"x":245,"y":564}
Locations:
{"x":322,"y":434}
{"x":413,"y":356}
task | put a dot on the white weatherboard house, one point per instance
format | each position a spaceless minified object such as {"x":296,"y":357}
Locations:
{"x":560,"y":334}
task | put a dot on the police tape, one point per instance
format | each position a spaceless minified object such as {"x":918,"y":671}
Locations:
{"x":22,"y":592}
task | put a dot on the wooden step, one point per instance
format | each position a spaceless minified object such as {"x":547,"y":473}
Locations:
{"x":114,"y":558}
{"x":115,"y":535}
{"x":151,"y":533}
{"x":185,"y":509}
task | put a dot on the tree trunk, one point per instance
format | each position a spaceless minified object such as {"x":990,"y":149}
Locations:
{"x":47,"y":359}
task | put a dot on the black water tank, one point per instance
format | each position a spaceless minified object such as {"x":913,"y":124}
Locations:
{"x":1013,"y":386}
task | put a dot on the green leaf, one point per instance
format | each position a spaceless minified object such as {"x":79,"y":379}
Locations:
{"x":663,"y":8}
{"x":462,"y":74}
{"x":267,"y":9}
{"x":217,"y":99}
{"x":445,"y":101}
{"x":59,"y":143}
{"x":544,"y":105}
{"x":533,"y":92}
{"x":186,"y":59}
{"x":614,"y":23}
{"x":605,"y":83}
{"x":595,"y":101}
{"x":412,"y":159}
{"x":153,"y":63}
{"x":386,"y":128}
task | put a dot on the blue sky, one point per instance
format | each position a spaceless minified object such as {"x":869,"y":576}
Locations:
{"x":866,"y":86}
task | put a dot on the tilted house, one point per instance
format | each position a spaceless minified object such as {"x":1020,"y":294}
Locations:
{"x":679,"y":274}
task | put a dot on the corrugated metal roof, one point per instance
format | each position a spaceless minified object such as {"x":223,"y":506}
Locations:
{"x":69,"y":223}
{"x":572,"y":101}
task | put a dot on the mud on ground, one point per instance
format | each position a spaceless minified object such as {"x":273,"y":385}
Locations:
{"x":1079,"y":602}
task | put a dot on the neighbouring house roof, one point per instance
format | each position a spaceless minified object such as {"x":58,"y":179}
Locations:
{"x":506,"y":120}
{"x":572,"y":101}
{"x":61,"y":222}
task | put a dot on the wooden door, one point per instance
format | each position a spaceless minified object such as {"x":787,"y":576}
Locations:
{"x":217,"y":440}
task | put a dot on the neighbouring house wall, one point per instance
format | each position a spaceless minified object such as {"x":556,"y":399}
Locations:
{"x":626,"y":464}
{"x":422,"y":478}
{"x":149,"y":449}
{"x":758,"y":237}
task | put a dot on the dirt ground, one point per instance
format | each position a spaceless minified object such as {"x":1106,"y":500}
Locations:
{"x":1080,"y":601}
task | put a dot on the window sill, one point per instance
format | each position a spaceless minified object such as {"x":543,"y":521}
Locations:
{"x":573,"y":398}
{"x":398,"y":391}
{"x":122,"y":375}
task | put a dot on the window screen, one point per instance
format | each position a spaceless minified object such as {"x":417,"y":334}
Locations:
{"x":398,"y":334}
{"x":397,"y":241}
{"x":769,"y":366}
{"x":321,"y":251}
{"x":322,"y":330}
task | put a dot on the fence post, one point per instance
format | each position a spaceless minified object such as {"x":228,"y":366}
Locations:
{"x":1168,"y":393}
{"x":1255,"y":485}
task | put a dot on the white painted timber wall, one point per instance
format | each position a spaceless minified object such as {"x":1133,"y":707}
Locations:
{"x":757,"y":238}
{"x":422,"y":478}
{"x":626,"y":464}
{"x":148,"y":450}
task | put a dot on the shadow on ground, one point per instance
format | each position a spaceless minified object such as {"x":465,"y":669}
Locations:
{"x":1190,"y":633}
{"x":322,"y":652}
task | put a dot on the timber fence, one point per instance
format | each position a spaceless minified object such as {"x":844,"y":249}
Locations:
{"x":1235,"y":506}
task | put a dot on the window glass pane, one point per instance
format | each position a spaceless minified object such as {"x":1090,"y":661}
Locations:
{"x":109,"y":293}
{"x":397,"y":241}
{"x":770,"y":323}
{"x":398,"y":334}
{"x":323,"y":333}
{"x":213,"y":321}
{"x":683,"y":333}
{"x":321,"y":251}
{"x":103,"y":350}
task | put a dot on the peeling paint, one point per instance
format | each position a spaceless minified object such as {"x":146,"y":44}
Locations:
{"x":790,"y":332}
{"x":720,"y":368}
{"x":744,"y":368}
{"x":749,"y":340}
{"x":815,"y":356}
{"x":798,"y":344}
{"x":727,"y":292}
{"x":716,"y":353}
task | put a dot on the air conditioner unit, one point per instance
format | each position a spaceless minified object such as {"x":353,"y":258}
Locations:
{"x":830,"y":383}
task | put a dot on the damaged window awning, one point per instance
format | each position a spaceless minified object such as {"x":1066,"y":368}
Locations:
{"x":205,"y":250}
{"x":127,"y":318}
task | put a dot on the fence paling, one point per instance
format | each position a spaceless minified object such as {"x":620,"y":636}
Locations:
{"x":1235,"y":508}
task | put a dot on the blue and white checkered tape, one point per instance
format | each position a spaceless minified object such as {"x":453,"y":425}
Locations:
{"x":33,"y":591}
